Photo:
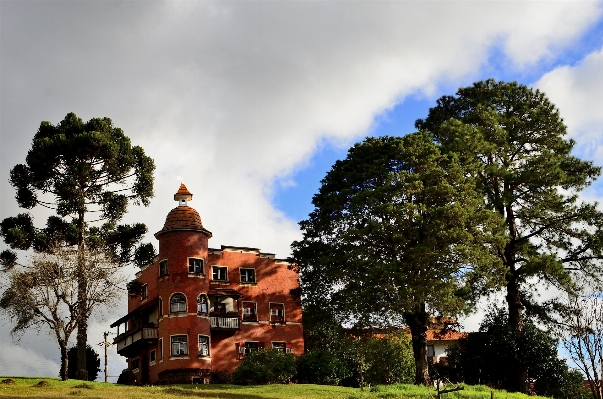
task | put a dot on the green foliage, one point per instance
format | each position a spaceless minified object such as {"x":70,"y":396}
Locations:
{"x":492,"y":355}
{"x":265,"y":366}
{"x":321,"y":367}
{"x":390,"y":358}
{"x":513,"y":139}
{"x":92,"y":362}
{"x":396,"y":213}
{"x":87,"y":173}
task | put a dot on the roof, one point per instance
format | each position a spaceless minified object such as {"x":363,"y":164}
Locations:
{"x":182,"y":191}
{"x":183,"y":218}
{"x":139,"y":309}
{"x":445,"y":335}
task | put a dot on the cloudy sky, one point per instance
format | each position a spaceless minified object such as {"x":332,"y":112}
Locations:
{"x":251,"y":102}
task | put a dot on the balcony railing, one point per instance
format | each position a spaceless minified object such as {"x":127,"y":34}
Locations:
{"x":126,"y":339}
{"x":225,"y":322}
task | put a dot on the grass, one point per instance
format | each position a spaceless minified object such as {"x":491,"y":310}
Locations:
{"x":31,"y":387}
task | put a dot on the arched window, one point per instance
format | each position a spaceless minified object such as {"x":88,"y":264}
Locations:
{"x":177,"y":303}
{"x":202,"y":304}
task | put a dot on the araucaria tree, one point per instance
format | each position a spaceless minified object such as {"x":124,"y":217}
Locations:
{"x":528,"y":177}
{"x":394,"y":230}
{"x":88,"y":173}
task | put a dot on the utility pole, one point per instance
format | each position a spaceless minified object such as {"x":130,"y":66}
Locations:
{"x":106,"y":344}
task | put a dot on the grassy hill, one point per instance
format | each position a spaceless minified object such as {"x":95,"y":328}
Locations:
{"x":32,"y":387}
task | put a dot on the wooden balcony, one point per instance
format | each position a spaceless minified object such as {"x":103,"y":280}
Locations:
{"x":131,"y":341}
{"x":228,"y":322}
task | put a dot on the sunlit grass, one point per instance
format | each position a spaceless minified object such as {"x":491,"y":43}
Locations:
{"x":30,"y":387}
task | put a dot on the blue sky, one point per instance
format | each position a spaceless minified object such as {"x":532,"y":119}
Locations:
{"x":294,"y":195}
{"x":251,"y":102}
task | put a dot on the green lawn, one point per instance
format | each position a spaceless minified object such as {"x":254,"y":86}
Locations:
{"x":32,"y":387}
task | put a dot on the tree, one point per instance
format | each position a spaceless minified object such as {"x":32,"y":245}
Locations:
{"x":491,"y":355}
{"x":92,"y":362}
{"x":394,"y":228}
{"x":46,"y":294}
{"x":584,"y":341}
{"x":88,"y":172}
{"x":528,"y":177}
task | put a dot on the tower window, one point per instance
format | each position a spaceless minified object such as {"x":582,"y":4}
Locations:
{"x":163,"y":268}
{"x":179,"y":345}
{"x":195,"y":266}
{"x":177,"y":303}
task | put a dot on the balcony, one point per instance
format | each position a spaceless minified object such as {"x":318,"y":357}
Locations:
{"x":132,"y":341}
{"x":225,"y":321}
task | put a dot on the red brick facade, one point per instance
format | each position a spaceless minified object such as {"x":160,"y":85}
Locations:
{"x":202,"y":309}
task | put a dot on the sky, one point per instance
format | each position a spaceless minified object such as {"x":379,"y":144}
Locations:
{"x":251,"y":102}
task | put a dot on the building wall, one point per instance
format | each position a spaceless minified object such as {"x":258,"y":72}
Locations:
{"x":275,"y":282}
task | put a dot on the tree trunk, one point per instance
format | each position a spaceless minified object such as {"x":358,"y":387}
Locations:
{"x":82,"y":324}
{"x":516,"y":322}
{"x":417,"y":322}
{"x":64,"y":374}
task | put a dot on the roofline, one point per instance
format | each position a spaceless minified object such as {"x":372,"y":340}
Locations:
{"x":201,"y":230}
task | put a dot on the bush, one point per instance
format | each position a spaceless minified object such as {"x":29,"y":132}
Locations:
{"x":265,"y":367}
{"x":321,"y":367}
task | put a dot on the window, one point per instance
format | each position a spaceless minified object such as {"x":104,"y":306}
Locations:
{"x":160,"y":307}
{"x":202,"y":304}
{"x":160,"y":348}
{"x":144,"y":293}
{"x":279,"y":346}
{"x":152,"y":357}
{"x":195,"y":266}
{"x":219,"y":273}
{"x":135,"y":365}
{"x":277,"y":312}
{"x":430,"y":351}
{"x":163,"y":268}
{"x":249,"y":311}
{"x":247,"y":275}
{"x":251,"y":347}
{"x":178,"y":303}
{"x":203,"y":345}
{"x":179,"y":345}
{"x":220,"y":307}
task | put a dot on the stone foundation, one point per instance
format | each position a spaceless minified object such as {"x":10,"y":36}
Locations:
{"x":185,"y":376}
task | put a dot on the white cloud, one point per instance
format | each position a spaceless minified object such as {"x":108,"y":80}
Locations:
{"x":578,"y":92}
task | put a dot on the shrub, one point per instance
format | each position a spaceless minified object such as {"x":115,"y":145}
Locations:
{"x":321,"y":367}
{"x":265,"y":367}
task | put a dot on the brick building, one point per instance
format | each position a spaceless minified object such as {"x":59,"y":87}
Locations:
{"x":202,"y":309}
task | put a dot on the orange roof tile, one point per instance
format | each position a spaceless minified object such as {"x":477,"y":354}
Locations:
{"x":182,"y":217}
